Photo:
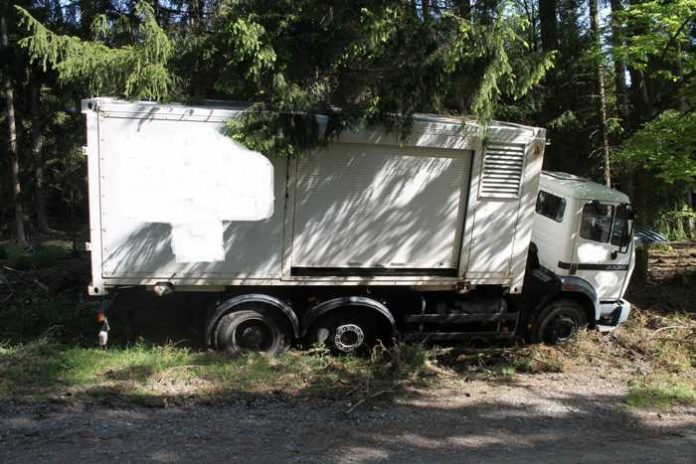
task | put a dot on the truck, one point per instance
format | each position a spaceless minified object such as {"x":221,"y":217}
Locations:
{"x":449,"y":232}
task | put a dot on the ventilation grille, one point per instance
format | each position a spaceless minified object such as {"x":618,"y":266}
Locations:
{"x":502,"y":171}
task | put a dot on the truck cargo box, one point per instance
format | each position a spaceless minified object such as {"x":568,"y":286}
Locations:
{"x":173,"y":200}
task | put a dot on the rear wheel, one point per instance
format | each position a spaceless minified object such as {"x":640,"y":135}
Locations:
{"x":559,"y":322}
{"x":347,"y":331}
{"x":252,"y":330}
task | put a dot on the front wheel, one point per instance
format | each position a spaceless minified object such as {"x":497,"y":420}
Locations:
{"x":559,"y":322}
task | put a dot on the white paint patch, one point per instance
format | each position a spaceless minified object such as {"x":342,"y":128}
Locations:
{"x":198,"y":242}
{"x":606,"y":281}
{"x":193,"y":179}
{"x":593,"y":253}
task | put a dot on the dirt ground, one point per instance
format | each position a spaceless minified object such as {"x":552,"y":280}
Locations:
{"x":538,"y":418}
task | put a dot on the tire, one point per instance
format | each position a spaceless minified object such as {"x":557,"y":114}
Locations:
{"x":252,"y":330}
{"x":347,"y":332}
{"x":559,"y":322}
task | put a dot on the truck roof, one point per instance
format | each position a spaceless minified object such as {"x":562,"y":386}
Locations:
{"x":579,"y":188}
{"x":212,"y":109}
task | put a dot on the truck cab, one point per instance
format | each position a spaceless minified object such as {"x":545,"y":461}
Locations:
{"x":582,"y":233}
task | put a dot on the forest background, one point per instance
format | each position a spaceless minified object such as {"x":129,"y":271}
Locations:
{"x":613,"y":82}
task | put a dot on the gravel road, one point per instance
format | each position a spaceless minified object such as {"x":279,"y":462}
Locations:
{"x":534,"y":418}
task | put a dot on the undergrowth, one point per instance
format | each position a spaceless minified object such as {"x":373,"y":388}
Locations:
{"x":46,"y":254}
{"x":170,"y":374}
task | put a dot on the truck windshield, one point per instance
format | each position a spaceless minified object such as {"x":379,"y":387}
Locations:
{"x":596,"y":222}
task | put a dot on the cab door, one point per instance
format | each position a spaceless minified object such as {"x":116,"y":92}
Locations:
{"x":603,"y":249}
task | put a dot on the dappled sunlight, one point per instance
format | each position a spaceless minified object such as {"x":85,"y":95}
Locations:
{"x":385,"y":210}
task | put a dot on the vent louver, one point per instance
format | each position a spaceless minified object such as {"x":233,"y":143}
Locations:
{"x":501,"y":176}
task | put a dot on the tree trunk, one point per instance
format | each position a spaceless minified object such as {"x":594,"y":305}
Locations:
{"x":601,"y":96}
{"x":642,"y":108}
{"x":619,"y":66}
{"x":37,"y":139}
{"x":486,"y":10}
{"x":462,"y":8}
{"x":12,"y":145}
{"x":548,"y":24}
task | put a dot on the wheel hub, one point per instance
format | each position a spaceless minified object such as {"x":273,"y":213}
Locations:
{"x":254,"y":335}
{"x":563,"y":327}
{"x":348,"y":338}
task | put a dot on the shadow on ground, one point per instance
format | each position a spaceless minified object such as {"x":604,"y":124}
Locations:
{"x":515,"y":423}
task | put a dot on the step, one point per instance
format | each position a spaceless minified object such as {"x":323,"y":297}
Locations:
{"x":452,"y":336}
{"x":461,"y":318}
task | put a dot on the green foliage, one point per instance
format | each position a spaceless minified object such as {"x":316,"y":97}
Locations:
{"x":659,"y":47}
{"x":137,"y":71}
{"x":665,"y":146}
{"x":379,"y":62}
{"x":373,"y":62}
{"x":660,"y":41}
{"x":678,"y":225}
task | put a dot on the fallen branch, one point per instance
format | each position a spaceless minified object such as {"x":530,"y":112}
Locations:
{"x":13,"y":269}
{"x":371,"y":397}
{"x":8,"y":297}
{"x":40,"y":285}
{"x":671,"y":327}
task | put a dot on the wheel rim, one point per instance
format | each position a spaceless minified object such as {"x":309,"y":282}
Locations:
{"x":562,"y":327}
{"x":348,"y":338}
{"x":253,"y":335}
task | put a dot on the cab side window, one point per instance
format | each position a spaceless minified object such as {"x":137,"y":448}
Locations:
{"x":551,"y":206}
{"x":618,"y":234}
{"x":596,"y":222}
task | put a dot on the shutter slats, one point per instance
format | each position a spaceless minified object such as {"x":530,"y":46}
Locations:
{"x":501,"y":176}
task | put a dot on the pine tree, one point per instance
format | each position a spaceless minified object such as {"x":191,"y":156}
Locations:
{"x":138,"y":70}
{"x":12,"y":149}
{"x":601,"y":93}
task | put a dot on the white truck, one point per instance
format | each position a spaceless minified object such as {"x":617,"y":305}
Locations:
{"x":451,"y":233}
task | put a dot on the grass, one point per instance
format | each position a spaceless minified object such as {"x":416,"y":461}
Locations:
{"x":168,"y":374}
{"x":159,"y":375}
{"x":661,"y":391}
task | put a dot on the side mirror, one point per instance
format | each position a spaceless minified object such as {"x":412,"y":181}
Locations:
{"x":628,"y":231}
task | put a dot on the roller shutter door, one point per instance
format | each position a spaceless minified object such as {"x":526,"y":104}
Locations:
{"x":375,"y":207}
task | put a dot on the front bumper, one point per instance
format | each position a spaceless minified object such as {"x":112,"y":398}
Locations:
{"x":613,"y":314}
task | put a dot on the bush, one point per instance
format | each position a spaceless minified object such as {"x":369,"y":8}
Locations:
{"x":678,"y":225}
{"x":44,"y":255}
